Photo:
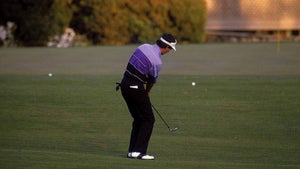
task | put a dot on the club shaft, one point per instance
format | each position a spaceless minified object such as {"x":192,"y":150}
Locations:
{"x":161,"y":117}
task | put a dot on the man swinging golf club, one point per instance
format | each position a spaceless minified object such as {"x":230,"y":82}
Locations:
{"x":140,"y":76}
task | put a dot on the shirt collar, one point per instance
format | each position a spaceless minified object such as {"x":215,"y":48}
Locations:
{"x":156,"y":48}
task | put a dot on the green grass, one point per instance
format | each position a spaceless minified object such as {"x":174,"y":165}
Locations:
{"x":75,"y":119}
{"x":206,"y":59}
{"x":81,"y":122}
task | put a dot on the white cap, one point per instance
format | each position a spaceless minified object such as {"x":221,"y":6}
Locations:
{"x":172,"y":44}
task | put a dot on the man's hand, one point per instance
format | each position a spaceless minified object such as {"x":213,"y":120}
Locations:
{"x":149,"y":87}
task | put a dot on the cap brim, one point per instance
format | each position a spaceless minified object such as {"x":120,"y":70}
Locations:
{"x":173,"y":47}
{"x":171,"y":44}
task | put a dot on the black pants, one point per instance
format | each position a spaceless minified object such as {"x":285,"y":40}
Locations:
{"x":139,"y":105}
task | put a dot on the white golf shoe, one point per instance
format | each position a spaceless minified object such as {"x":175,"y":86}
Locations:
{"x":133,"y":154}
{"x":145,"y":157}
{"x":140,"y":156}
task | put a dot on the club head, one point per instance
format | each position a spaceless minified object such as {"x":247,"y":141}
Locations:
{"x":173,"y":129}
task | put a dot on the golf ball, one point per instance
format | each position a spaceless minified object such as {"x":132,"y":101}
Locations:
{"x":193,"y":83}
{"x":50,"y":74}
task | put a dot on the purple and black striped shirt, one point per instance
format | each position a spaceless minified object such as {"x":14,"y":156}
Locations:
{"x":146,"y":62}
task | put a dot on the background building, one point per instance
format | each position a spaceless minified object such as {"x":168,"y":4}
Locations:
{"x":253,"y":20}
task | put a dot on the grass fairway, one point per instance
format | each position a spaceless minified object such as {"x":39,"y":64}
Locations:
{"x":243,"y":113}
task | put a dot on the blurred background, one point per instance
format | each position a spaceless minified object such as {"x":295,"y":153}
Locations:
{"x":66,"y":23}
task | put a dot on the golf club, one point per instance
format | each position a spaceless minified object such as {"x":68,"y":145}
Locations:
{"x":170,"y":129}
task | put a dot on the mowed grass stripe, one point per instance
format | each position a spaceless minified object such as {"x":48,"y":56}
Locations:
{"x":206,"y":59}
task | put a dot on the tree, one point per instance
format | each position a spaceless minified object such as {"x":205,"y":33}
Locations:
{"x":103,"y":22}
{"x":36,"y":20}
{"x":108,"y":22}
{"x":117,"y":22}
{"x":189,"y":17}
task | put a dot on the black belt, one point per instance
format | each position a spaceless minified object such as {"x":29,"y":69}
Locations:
{"x":131,"y":77}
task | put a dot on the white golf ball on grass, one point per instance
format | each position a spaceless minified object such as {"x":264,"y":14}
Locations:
{"x":193,"y":83}
{"x":50,"y":74}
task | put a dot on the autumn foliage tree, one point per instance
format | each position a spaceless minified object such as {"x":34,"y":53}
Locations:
{"x":118,"y":22}
{"x":105,"y":22}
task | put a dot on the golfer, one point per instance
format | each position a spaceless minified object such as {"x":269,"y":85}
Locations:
{"x":140,"y":76}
